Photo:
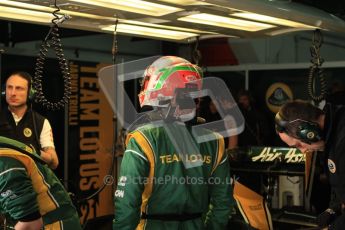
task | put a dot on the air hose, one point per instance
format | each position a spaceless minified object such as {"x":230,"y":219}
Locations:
{"x":52,"y":40}
{"x":315,"y":70}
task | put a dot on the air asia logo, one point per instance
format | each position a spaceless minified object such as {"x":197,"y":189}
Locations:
{"x":331,"y":166}
{"x":288,"y":155}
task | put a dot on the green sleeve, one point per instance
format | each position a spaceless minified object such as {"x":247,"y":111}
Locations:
{"x":17,"y":198}
{"x":221,"y":197}
{"x":134,"y":170}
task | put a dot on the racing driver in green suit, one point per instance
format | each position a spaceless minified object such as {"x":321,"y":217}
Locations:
{"x":168,"y":180}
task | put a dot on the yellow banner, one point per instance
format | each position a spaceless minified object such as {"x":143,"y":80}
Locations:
{"x":90,"y":138}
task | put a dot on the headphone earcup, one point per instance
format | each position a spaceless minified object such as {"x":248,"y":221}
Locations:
{"x":309,"y":132}
{"x":31,"y":94}
{"x":280,"y":123}
{"x":3,"y":92}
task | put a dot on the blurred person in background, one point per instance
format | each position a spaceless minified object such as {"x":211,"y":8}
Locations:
{"x":256,"y":131}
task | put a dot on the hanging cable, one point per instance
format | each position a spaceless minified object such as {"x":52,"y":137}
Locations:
{"x":114,"y":49}
{"x":196,"y":54}
{"x":52,"y":40}
{"x":1,"y":52}
{"x":114,"y":45}
{"x":315,"y":70}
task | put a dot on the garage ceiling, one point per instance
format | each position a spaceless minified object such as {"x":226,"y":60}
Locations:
{"x":174,"y":20}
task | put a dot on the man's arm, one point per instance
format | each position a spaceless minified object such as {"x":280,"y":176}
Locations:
{"x":48,"y":152}
{"x":339,"y":222}
{"x":18,"y":198}
{"x":233,"y":142}
{"x":134,"y":170}
{"x":338,"y":199}
{"x":29,"y":225}
{"x":221,"y":197}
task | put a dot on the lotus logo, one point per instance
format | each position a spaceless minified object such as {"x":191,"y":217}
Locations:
{"x":27,"y":132}
{"x":310,"y":135}
{"x":331,"y":166}
{"x":276,"y":95}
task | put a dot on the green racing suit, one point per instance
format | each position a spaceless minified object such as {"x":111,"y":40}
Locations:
{"x":156,"y":190}
{"x":30,"y":189}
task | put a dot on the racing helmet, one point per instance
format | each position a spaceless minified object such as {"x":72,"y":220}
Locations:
{"x":164,"y":76}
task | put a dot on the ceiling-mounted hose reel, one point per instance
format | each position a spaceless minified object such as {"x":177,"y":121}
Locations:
{"x":315,"y":70}
{"x":52,"y":40}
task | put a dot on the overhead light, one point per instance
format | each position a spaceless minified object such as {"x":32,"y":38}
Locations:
{"x":51,"y":10}
{"x":22,"y":5}
{"x":135,"y":6}
{"x":269,"y":19}
{"x":286,"y":30}
{"x":160,"y":26}
{"x":151,"y":32}
{"x":186,"y":2}
{"x":220,"y":21}
{"x":25,"y":15}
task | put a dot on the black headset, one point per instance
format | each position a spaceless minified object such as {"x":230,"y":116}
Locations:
{"x":306,"y":131}
{"x":31,"y":91}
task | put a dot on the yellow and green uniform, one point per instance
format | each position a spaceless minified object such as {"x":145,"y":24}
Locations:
{"x":156,"y":191}
{"x":29,"y":189}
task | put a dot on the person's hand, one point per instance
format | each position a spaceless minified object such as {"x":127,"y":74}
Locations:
{"x":48,"y":157}
{"x":326,"y":218}
{"x":29,"y":225}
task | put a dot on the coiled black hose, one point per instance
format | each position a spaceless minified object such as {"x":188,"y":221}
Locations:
{"x":52,"y":40}
{"x":315,"y":70}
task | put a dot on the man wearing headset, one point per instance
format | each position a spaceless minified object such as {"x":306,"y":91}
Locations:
{"x":308,"y":128}
{"x":24,"y":124}
{"x":155,"y":189}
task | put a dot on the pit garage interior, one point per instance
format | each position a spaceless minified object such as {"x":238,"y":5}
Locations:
{"x":258,"y":45}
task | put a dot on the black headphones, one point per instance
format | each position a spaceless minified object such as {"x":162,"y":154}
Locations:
{"x":31,"y":91}
{"x":306,"y":131}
